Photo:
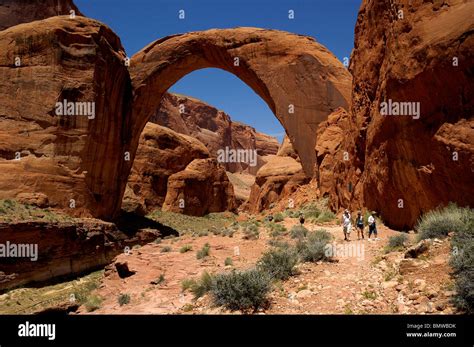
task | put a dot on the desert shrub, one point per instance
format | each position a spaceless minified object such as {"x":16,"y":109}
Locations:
{"x":228,"y":232}
{"x":278,"y":218}
{"x":187,"y":283}
{"x":158,"y":240}
{"x":276,"y":229}
{"x":185,"y":248}
{"x":292,"y":213}
{"x":204,"y":251}
{"x":251,"y":232}
{"x":396,"y":242}
{"x":159,"y":280}
{"x":318,"y":211}
{"x":298,"y":232}
{"x":462,"y":262}
{"x":439,"y":222}
{"x":228,"y":261}
{"x":279,"y":263}
{"x":278,"y":243}
{"x":202,"y":233}
{"x":198,"y":287}
{"x":165,"y":249}
{"x":241,"y":290}
{"x":312,"y":249}
{"x":203,"y":285}
{"x":123,"y":299}
{"x":93,"y":303}
{"x":326,"y":216}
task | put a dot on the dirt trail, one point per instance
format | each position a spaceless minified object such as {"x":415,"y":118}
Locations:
{"x":318,"y":288}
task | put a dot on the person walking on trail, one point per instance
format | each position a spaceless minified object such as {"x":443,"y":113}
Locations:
{"x":372,"y":225}
{"x":360,"y":225}
{"x":346,"y":225}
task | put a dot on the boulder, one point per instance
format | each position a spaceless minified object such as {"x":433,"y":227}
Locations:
{"x":161,"y":153}
{"x":421,"y":247}
{"x":275,"y":181}
{"x":201,"y":188}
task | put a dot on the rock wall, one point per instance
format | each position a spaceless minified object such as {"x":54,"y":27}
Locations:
{"x":74,"y":160}
{"x":63,"y":248}
{"x":13,"y":12}
{"x":421,"y":52}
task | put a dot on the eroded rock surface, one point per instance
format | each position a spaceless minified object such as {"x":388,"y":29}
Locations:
{"x":215,"y":129}
{"x":423,"y":54}
{"x":161,"y":153}
{"x":203,"y":187}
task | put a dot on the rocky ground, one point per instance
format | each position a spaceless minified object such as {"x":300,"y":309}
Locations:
{"x":372,"y":282}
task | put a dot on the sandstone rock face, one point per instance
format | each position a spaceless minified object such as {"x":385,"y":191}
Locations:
{"x":203,"y":187}
{"x":66,"y":158}
{"x":161,"y":153}
{"x":335,"y":156}
{"x":300,"y":80}
{"x":275,"y":181}
{"x":286,"y":149}
{"x":425,"y":55}
{"x":214,"y":128}
{"x":63,"y":249}
{"x":13,"y":12}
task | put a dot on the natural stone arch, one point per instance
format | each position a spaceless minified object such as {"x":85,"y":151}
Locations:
{"x":283,"y":68}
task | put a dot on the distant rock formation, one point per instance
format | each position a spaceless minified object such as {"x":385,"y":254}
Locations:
{"x":203,"y":187}
{"x":276,"y":180}
{"x":161,"y":153}
{"x":214,"y":128}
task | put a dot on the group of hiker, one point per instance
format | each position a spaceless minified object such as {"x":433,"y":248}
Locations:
{"x":359,"y":225}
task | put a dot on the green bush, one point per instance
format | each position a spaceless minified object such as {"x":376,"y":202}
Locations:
{"x":276,"y":229}
{"x":159,"y":280}
{"x":123,"y":299}
{"x":278,"y":243}
{"x":278,"y":218}
{"x":298,"y":232}
{"x":204,"y":251}
{"x":228,"y":232}
{"x":241,"y":290}
{"x":228,"y":261}
{"x":312,"y":249}
{"x":396,"y":242}
{"x":462,"y":262}
{"x":251,"y":232}
{"x":279,"y":263}
{"x":185,"y":248}
{"x":439,"y":222}
{"x":93,"y":303}
{"x":198,"y":287}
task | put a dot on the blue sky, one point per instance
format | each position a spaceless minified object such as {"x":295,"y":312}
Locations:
{"x":139,"y":22}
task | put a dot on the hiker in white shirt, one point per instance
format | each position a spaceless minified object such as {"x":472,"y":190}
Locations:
{"x":346,"y":224}
{"x":372,"y":225}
